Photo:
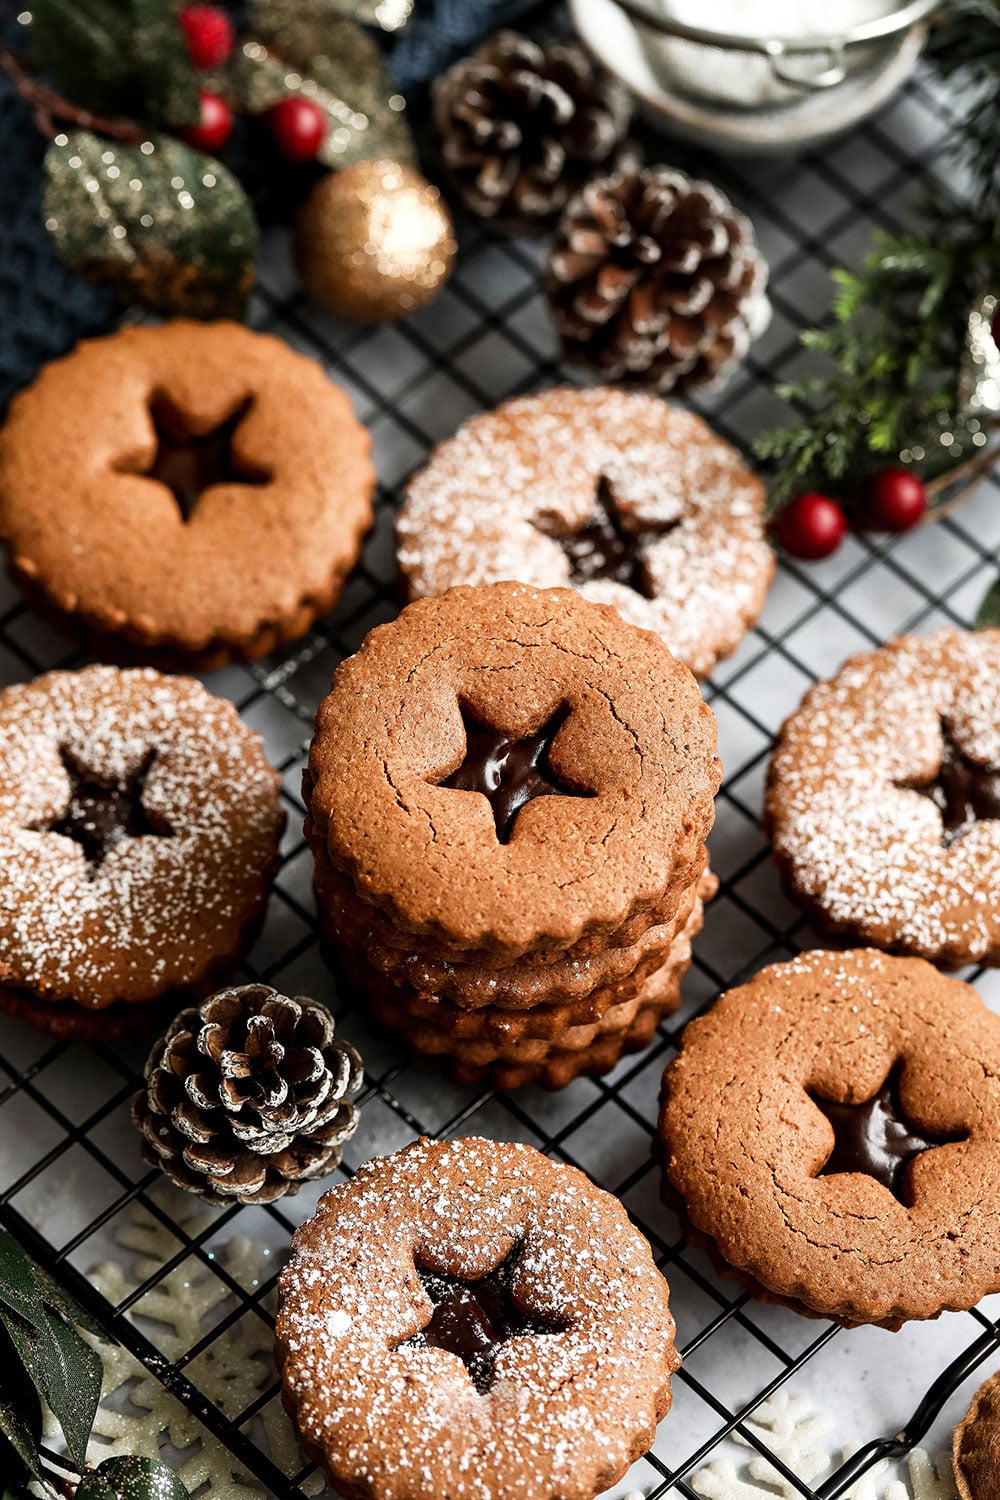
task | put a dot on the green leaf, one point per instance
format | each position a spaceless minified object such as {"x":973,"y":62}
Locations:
{"x":72,"y":1311}
{"x":340,"y":68}
{"x":61,"y":1366}
{"x":18,"y":1286}
{"x":130,"y":1478}
{"x":93,"y":1487}
{"x":65,"y":1371}
{"x":123,"y":57}
{"x":183,"y":242}
{"x":20,"y":1418}
{"x":17,"y":1450}
{"x":988,"y":613}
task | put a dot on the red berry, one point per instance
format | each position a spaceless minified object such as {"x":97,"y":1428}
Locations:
{"x":893,"y":500}
{"x":298,"y":127}
{"x":215,"y":124}
{"x":208,"y":32}
{"x":811,"y":527}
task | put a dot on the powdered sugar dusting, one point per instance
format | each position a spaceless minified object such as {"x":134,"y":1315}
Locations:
{"x":564,"y":1412}
{"x":851,"y":836}
{"x":159,"y":911}
{"x":490,"y":502}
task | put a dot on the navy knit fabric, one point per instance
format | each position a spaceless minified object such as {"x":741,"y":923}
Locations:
{"x":440,"y":32}
{"x":43,"y":308}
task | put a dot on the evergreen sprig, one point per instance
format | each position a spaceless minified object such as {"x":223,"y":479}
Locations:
{"x":895,"y":347}
{"x":896,"y":339}
{"x":966,"y":48}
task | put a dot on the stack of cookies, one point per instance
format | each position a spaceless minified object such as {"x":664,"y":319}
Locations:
{"x":508,"y":796}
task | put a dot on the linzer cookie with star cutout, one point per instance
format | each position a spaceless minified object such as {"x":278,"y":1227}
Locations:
{"x":883,"y":799}
{"x":831,"y":1136}
{"x":139,"y":829}
{"x":634,"y":502}
{"x":507,"y":799}
{"x":190,"y":493}
{"x":468,"y":1318}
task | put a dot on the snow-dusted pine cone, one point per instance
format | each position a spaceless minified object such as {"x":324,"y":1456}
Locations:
{"x":247,"y":1096}
{"x":520,"y":127}
{"x":656,"y":279}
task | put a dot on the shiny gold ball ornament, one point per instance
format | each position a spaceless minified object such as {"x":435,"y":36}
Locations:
{"x":374,"y":242}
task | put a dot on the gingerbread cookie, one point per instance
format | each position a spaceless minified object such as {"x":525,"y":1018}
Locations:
{"x":659,"y":989}
{"x":466,"y":1318}
{"x":832,"y":1130}
{"x":634,"y":502}
{"x":883,"y":799}
{"x":193,"y":493}
{"x":621,"y":806}
{"x":507,"y":800}
{"x":524,"y":985}
{"x":977,"y":1446}
{"x":139,"y":828}
{"x":479,"y":976}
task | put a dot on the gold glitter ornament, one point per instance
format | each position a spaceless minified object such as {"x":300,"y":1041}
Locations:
{"x":374,"y":242}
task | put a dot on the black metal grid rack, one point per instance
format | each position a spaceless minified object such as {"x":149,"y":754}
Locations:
{"x":71,"y":1167}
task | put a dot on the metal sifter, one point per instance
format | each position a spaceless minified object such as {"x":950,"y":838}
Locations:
{"x":767,"y":74}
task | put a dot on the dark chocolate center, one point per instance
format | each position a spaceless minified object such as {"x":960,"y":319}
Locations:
{"x":474,"y":1319}
{"x":189,"y":463}
{"x":605,"y":548}
{"x":875,"y":1138}
{"x":100,"y":817}
{"x":963,"y":792}
{"x":509,"y":773}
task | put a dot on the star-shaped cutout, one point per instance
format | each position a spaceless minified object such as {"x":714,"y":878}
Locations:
{"x":509,"y":773}
{"x":187,"y":463}
{"x":876,"y":1139}
{"x":475,"y":1319}
{"x":605,"y":547}
{"x":963,"y":792}
{"x":99,"y":817}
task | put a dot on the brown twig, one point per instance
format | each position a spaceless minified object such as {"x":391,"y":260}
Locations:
{"x":960,"y":484}
{"x":49,"y":107}
{"x":64,"y":1483}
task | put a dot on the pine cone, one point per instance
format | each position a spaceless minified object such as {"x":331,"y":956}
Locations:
{"x":247,"y":1096}
{"x":521,"y":127}
{"x":656,"y":279}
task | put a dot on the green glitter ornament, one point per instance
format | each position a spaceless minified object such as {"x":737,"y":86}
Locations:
{"x":124,"y":57}
{"x":157,"y":224}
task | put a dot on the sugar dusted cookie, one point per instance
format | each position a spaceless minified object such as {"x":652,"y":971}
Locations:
{"x":634,"y":502}
{"x":470,"y":1319}
{"x":883,"y":798}
{"x":139,"y":828}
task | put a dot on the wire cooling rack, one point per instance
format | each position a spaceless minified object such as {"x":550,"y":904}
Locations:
{"x":70,"y":1170}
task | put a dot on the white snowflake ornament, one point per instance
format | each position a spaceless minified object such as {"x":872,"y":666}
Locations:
{"x":791,"y":1428}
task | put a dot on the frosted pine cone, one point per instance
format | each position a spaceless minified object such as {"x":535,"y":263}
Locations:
{"x":656,"y":279}
{"x":247,"y":1096}
{"x":520,"y":127}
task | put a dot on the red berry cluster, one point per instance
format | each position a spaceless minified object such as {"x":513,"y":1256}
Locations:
{"x":208,"y":32}
{"x":297,"y":125}
{"x":812,"y":526}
